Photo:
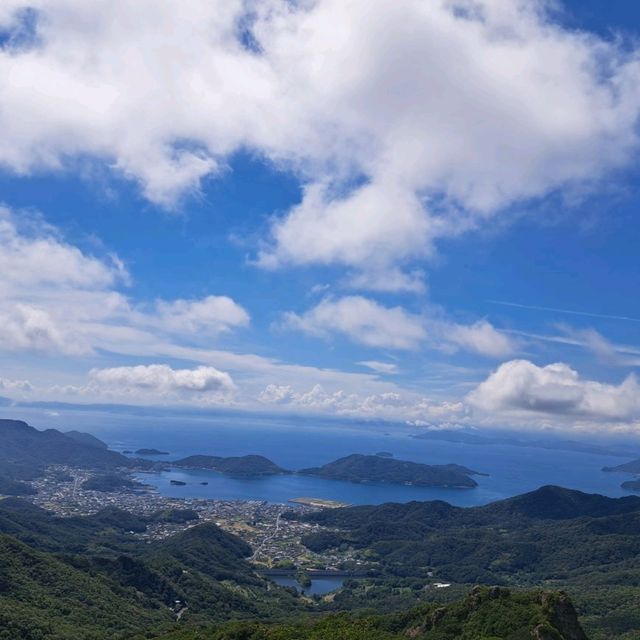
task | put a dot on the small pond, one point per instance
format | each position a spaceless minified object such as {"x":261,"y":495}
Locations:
{"x":319,"y":585}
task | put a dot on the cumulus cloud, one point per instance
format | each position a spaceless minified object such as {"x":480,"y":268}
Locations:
{"x":7,"y":384}
{"x":361,"y":320}
{"x":407,"y":121}
{"x":211,"y":315}
{"x":390,"y":405}
{"x":555,"y":390}
{"x":202,"y":385}
{"x":481,"y":337}
{"x":56,"y":298}
{"x":367,"y":322}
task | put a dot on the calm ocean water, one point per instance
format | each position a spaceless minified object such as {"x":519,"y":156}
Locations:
{"x":299,"y":443}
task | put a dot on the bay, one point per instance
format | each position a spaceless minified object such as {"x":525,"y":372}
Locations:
{"x":295,"y":443}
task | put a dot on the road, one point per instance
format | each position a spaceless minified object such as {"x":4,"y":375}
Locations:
{"x":271,"y":537}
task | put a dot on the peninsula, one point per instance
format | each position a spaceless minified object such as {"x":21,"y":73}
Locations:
{"x":366,"y":468}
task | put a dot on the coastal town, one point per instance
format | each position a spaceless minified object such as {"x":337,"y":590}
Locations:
{"x":275,"y":540}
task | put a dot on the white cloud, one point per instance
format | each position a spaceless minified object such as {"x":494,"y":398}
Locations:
{"x":519,"y":386}
{"x":397,"y":406}
{"x":361,"y":320}
{"x":56,"y":298}
{"x":408,"y":121}
{"x":480,"y":337}
{"x":201,"y":385}
{"x":367,"y":322}
{"x":211,"y":315}
{"x":388,"y":368}
{"x":7,"y":384}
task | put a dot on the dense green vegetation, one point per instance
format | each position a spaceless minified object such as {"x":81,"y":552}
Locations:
{"x":109,"y":483}
{"x":486,"y":614}
{"x":238,"y":466}
{"x":86,"y":438}
{"x":89,"y":577}
{"x":9,"y":487}
{"x":361,"y":468}
{"x":586,"y":544}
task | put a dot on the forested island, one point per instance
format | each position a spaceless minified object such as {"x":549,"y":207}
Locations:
{"x":361,"y":468}
{"x":250,"y":465}
{"x":151,"y":452}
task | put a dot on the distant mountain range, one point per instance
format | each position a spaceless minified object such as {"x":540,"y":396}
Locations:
{"x":556,"y":444}
{"x":25,"y":451}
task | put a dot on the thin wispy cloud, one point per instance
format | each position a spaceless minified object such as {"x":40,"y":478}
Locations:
{"x":574,"y":312}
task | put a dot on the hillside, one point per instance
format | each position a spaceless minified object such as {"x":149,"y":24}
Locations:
{"x":85,"y":438}
{"x":250,"y":465}
{"x":109,"y":483}
{"x":25,"y":451}
{"x":366,"y":468}
{"x":486,"y":614}
{"x":77,"y":578}
{"x":585,"y":544}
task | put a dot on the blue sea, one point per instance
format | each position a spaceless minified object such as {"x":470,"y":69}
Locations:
{"x":295,"y":443}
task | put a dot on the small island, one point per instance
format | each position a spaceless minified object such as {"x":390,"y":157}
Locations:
{"x":177,"y":483}
{"x":240,"y":466}
{"x":151,"y":452}
{"x":366,"y":468}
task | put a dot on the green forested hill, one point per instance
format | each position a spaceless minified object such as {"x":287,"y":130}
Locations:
{"x":486,"y":614}
{"x":24,"y":451}
{"x":586,"y":544}
{"x":250,"y":465}
{"x":88,"y":578}
{"x":362,"y":468}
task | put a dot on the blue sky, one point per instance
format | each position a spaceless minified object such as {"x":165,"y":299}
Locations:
{"x":423,"y":213}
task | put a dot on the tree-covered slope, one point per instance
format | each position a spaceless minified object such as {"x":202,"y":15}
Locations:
{"x":24,"y":451}
{"x":586,"y":544}
{"x":43,"y":597}
{"x":486,"y":614}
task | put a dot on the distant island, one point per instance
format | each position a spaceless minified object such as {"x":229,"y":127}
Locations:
{"x":248,"y":466}
{"x":468,"y":437}
{"x":151,"y":452}
{"x":366,"y":468}
{"x":177,"y":483}
{"x":627,"y":467}
{"x":631,"y":485}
